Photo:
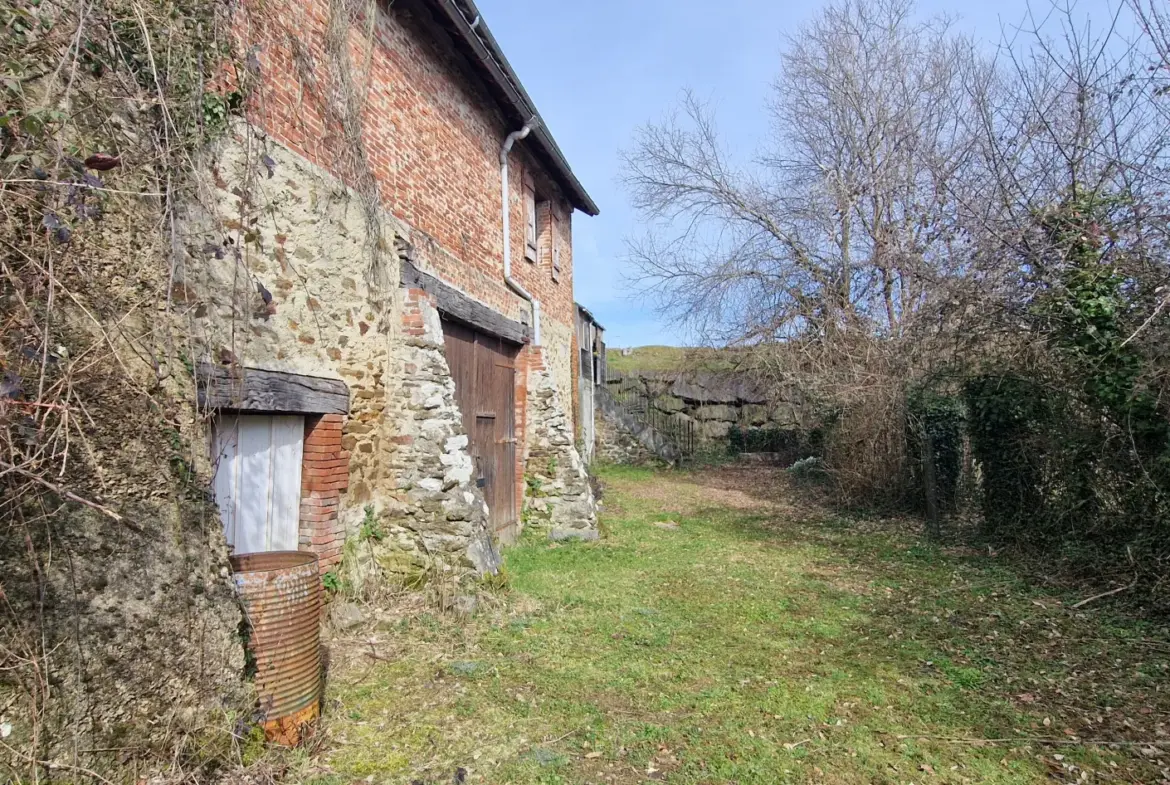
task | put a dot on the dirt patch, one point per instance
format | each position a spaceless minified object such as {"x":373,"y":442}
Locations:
{"x":748,"y":489}
{"x":752,"y":488}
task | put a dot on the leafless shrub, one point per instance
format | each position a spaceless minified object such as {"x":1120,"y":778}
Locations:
{"x":888,"y":235}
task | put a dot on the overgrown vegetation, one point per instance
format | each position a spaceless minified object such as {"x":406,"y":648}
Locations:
{"x":110,"y":552}
{"x":106,"y":106}
{"x":964,"y":260}
{"x":1076,"y":450}
{"x":788,"y":444}
{"x":722,"y":632}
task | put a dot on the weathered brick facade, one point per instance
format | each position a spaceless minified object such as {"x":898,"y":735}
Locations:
{"x":432,"y":135}
{"x":409,"y":120}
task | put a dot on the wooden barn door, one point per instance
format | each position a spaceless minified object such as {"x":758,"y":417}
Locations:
{"x":484,"y":369}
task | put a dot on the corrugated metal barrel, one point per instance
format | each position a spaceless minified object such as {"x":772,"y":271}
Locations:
{"x":281,"y":595}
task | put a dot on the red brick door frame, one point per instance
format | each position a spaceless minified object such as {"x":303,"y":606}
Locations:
{"x":324,"y":403}
{"x":324,"y":475}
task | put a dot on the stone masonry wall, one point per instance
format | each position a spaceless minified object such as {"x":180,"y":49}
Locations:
{"x":278,"y":281}
{"x":556,"y":355}
{"x":435,"y":520}
{"x":274,"y":277}
{"x":717,"y":401}
{"x":560,"y":498}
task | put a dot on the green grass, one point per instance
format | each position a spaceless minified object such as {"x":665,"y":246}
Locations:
{"x":674,"y":358}
{"x":754,"y":644}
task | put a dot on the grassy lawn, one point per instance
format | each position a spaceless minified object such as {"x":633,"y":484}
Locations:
{"x":758,"y":641}
{"x":673,"y":358}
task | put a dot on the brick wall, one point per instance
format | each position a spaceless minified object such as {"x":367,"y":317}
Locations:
{"x":432,"y":138}
{"x":412,"y":320}
{"x":324,"y":475}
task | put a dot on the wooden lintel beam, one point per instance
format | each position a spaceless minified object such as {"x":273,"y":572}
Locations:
{"x":454,"y":304}
{"x":255,"y":390}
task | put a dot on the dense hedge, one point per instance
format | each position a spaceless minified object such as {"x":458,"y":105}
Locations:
{"x":1074,"y":448}
{"x":940,"y":417}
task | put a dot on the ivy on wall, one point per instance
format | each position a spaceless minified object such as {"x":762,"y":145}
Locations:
{"x":1073,"y":449}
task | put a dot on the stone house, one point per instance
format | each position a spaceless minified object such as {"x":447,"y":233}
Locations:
{"x":345,"y":306}
{"x":380,"y":292}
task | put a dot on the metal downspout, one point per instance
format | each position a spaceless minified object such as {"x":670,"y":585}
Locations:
{"x":508,"y":279}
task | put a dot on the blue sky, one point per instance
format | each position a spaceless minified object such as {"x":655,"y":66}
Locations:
{"x":598,"y":69}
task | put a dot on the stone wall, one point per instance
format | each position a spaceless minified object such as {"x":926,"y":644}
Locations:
{"x":557,"y":355}
{"x":433,"y":520}
{"x":560,"y":498}
{"x":278,"y":281}
{"x":616,"y":442}
{"x":716,"y":402}
{"x":282,"y":282}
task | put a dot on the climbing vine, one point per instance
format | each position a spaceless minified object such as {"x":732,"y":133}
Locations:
{"x":1075,"y":449}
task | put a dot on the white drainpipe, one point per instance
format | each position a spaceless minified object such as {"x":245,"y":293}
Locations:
{"x":508,"y":279}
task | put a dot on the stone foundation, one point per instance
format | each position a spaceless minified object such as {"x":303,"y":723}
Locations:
{"x":559,"y":497}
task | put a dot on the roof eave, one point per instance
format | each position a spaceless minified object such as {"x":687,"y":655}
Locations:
{"x":589,"y":315}
{"x":490,"y":58}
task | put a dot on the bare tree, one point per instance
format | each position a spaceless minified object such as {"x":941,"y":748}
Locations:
{"x":897,"y":227}
{"x":844,"y":222}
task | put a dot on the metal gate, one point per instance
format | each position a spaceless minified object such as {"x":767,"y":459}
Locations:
{"x":484,"y":369}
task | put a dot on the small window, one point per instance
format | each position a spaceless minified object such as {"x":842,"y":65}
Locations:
{"x":530,"y":224}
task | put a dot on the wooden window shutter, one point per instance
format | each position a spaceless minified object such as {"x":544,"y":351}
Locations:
{"x":556,"y":247}
{"x":529,"y":224}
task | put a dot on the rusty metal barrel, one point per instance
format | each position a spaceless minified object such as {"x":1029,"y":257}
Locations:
{"x":281,"y":595}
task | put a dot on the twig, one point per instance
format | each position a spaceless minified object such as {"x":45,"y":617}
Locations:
{"x":1103,"y":594}
{"x":86,"y":186}
{"x":7,"y":467}
{"x":1038,"y":740}
{"x":54,"y":766}
{"x":1160,"y":307}
{"x":375,"y":656}
{"x":564,"y":736}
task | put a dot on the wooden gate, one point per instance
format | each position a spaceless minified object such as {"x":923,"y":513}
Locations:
{"x":484,"y":368}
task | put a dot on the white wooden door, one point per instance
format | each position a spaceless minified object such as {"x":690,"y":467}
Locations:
{"x":258,"y":480}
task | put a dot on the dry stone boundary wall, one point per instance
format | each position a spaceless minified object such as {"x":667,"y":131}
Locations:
{"x":717,"y":401}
